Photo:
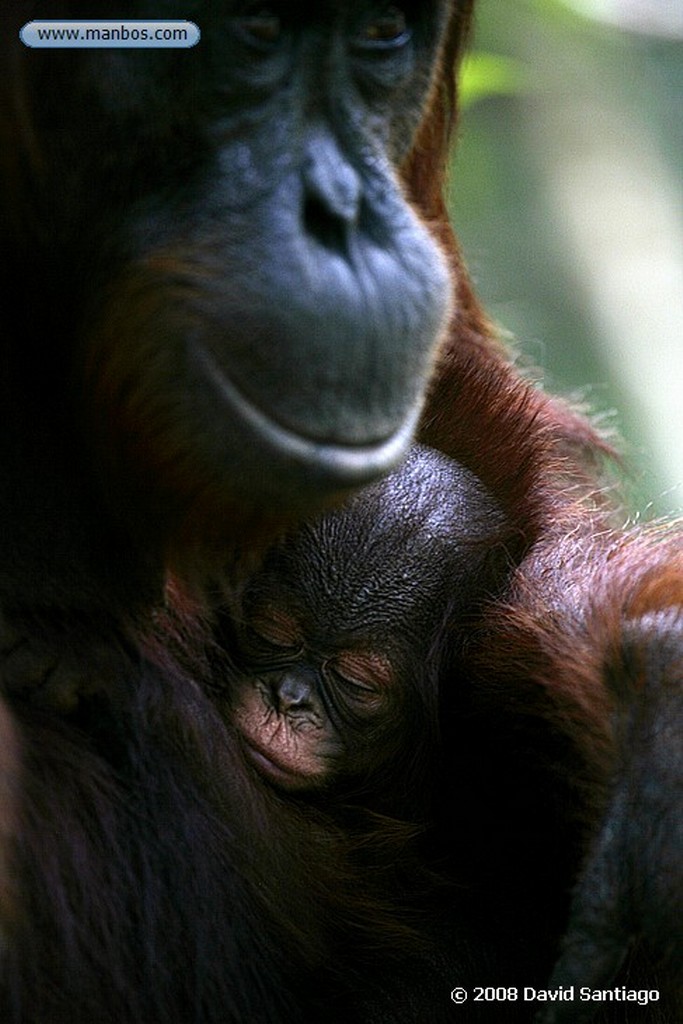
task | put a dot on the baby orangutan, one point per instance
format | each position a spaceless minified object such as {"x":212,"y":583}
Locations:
{"x":340,"y":635}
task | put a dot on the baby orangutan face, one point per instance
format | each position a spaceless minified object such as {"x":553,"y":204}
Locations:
{"x":306,"y":717}
{"x":336,"y":635}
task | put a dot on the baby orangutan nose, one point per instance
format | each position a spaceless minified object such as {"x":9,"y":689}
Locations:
{"x":294,"y":691}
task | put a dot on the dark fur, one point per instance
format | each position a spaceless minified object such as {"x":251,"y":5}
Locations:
{"x":149,"y":235}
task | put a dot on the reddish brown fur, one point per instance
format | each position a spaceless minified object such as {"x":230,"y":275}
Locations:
{"x":556,"y":639}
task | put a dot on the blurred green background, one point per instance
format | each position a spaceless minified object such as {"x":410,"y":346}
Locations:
{"x":566,"y":195}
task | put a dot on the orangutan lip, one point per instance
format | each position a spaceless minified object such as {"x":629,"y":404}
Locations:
{"x":267,"y":766}
{"x":351,"y":462}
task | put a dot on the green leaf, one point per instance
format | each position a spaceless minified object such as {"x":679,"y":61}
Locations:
{"x":489,"y":74}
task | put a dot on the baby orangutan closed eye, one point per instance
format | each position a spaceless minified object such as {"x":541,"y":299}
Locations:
{"x":334,"y":635}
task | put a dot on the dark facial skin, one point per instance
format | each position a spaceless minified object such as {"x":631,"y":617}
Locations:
{"x":335,"y":633}
{"x":283,"y":299}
